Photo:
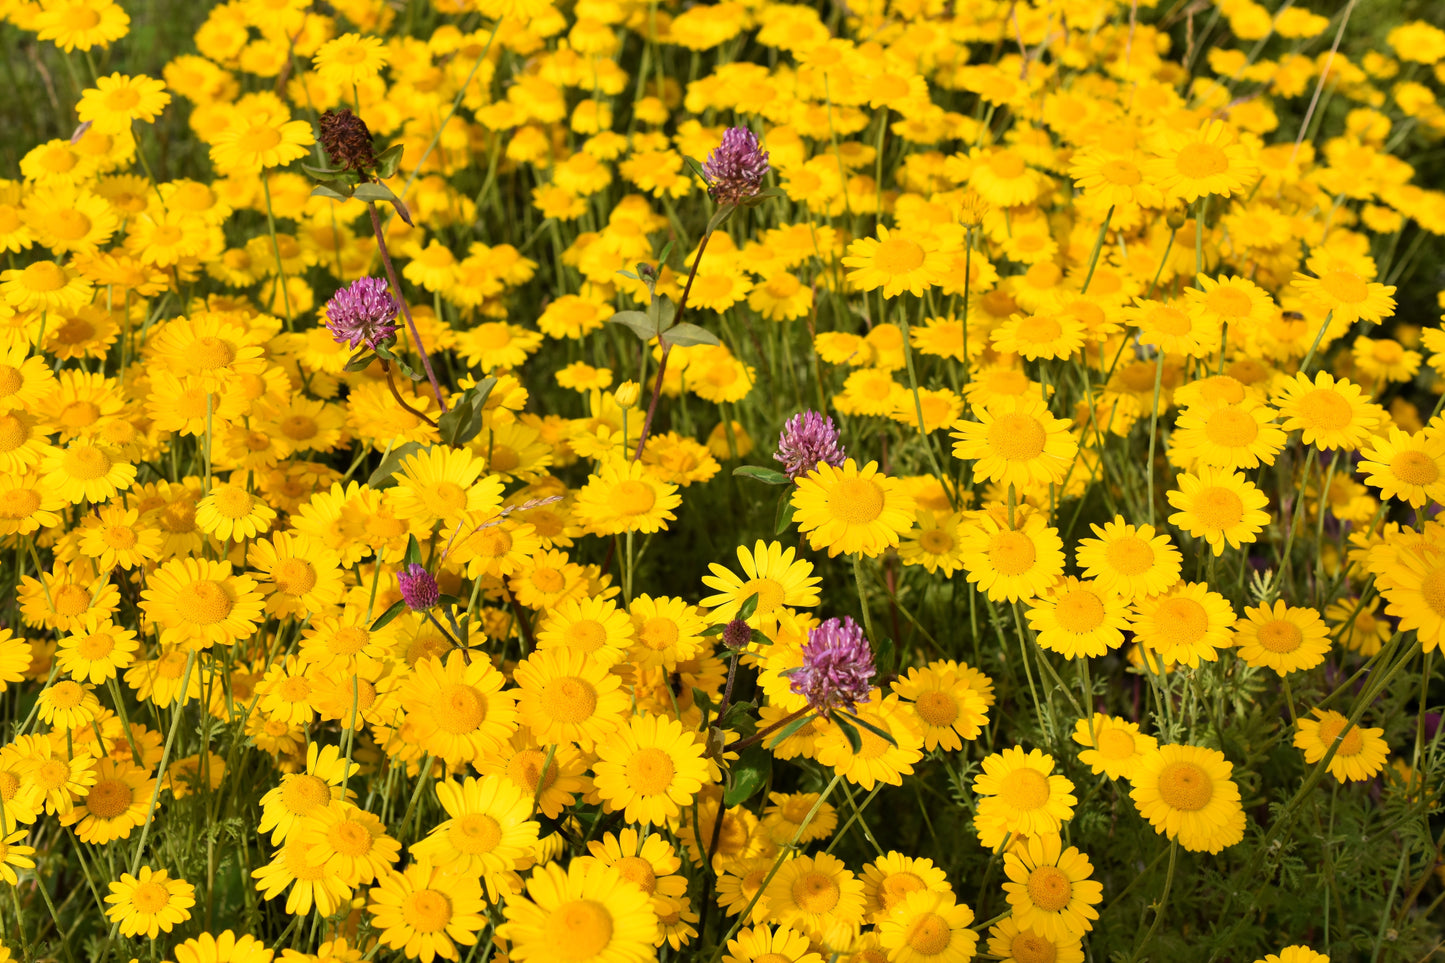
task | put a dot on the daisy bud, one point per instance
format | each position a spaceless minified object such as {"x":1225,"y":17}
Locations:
{"x":418,"y":588}
{"x":808,"y":439}
{"x":837,"y":669}
{"x":735,"y":168}
{"x":362,"y":312}
{"x":347,"y":140}
{"x":627,"y":394}
{"x":737,"y":634}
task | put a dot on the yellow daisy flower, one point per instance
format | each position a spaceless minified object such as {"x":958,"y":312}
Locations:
{"x":150,"y":903}
{"x":650,"y":769}
{"x":1112,"y":746}
{"x":850,"y":510}
{"x":1187,"y":794}
{"x":588,"y":908}
{"x":1361,"y":752}
{"x":425,"y":912}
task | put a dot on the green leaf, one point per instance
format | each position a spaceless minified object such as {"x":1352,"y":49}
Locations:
{"x":662,"y":312}
{"x":749,"y":606}
{"x":361,"y":360}
{"x":326,"y":173}
{"x":702,"y":700}
{"x":464,"y":421}
{"x":714,"y":629}
{"x":784,"y":519}
{"x":629,"y":274}
{"x":396,"y":609}
{"x":666,"y":250}
{"x":765,"y":475}
{"x":789,"y":730}
{"x":739,"y":717}
{"x":749,"y":774}
{"x":374,"y":192}
{"x":685,"y":334}
{"x":855,"y":741}
{"x":371,"y":193}
{"x":413,"y":551}
{"x":391,"y":464}
{"x":880,"y":733}
{"x":321,"y":190}
{"x":637,"y":322}
{"x":720,"y":216}
{"x":389,"y":160}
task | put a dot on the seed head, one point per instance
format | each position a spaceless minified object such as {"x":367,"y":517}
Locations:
{"x":347,"y":140}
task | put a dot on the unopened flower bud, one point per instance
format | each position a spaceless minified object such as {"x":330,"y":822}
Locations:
{"x":627,"y":394}
{"x":1175,"y":219}
{"x":737,"y":634}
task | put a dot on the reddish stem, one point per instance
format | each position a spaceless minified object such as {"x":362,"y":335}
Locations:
{"x":667,"y":349}
{"x":405,"y":311}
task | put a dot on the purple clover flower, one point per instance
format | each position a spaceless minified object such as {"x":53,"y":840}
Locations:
{"x":837,"y":669}
{"x":362,"y":312}
{"x":418,"y":588}
{"x":735,"y":168}
{"x":808,"y":439}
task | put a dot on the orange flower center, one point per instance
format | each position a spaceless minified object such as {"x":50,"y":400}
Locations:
{"x":582,"y":928}
{"x":1024,"y":788}
{"x":936,"y":708}
{"x":929,"y":935}
{"x":815,"y":892}
{"x":1079,"y":611}
{"x":1199,"y":160}
{"x":1011,"y":553}
{"x":1281,"y":635}
{"x":1049,"y":888}
{"x":569,"y":699}
{"x":203,"y":602}
{"x":898,"y":255}
{"x":856,"y":501}
{"x":461,"y":709}
{"x":427,"y":911}
{"x":1017,"y":437}
{"x":1415,"y":468}
{"x":1231,"y":428}
{"x":1217,"y":507}
{"x":1185,"y":786}
{"x":1181,"y":621}
{"x":86,"y":463}
{"x":633,"y":497}
{"x":650,"y":771}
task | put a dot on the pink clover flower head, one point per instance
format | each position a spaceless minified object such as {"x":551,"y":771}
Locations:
{"x":418,"y":588}
{"x":361,"y":313}
{"x":807,"y":440}
{"x":837,"y":670}
{"x":736,"y":167}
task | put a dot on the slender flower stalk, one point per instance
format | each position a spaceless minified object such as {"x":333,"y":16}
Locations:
{"x":734,"y":172}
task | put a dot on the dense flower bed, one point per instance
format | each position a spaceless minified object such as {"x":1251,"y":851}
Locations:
{"x":758,"y":482}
